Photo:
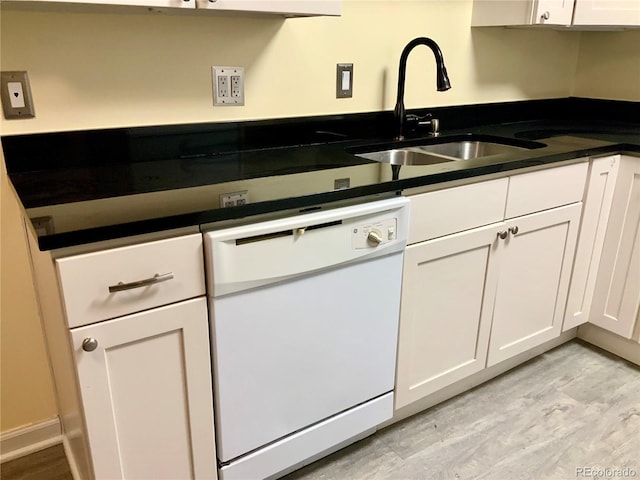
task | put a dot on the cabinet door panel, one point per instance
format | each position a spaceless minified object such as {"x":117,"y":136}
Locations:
{"x":553,"y":12}
{"x":617,"y":293}
{"x":533,"y":281}
{"x":447,"y":297}
{"x":607,"y":12}
{"x":595,"y":215}
{"x":146,"y":392}
{"x":135,"y":3}
{"x":291,"y":7}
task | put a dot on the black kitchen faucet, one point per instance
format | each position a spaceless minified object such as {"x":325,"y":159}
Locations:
{"x":442,"y":80}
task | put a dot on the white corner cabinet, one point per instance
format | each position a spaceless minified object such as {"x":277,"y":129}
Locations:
{"x":287,"y":8}
{"x":605,"y":286}
{"x":616,"y":298}
{"x":128,"y":338}
{"x":559,"y":13}
{"x":486,"y":275}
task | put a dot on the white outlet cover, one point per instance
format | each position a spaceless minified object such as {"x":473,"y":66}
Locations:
{"x":233,"y":97}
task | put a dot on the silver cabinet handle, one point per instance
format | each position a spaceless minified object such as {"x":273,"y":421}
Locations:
{"x":157,"y":278}
{"x":546,"y":16}
{"x":503,"y":234}
{"x":89,"y":344}
{"x":514,"y":230}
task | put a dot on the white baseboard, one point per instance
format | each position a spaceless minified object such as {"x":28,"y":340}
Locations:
{"x":32,"y":438}
{"x":71,"y":459}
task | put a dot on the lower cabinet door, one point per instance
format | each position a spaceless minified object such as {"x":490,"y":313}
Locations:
{"x":445,"y":314}
{"x":145,"y":381}
{"x":616,"y":300}
{"x":533,"y":281}
{"x":595,"y":216}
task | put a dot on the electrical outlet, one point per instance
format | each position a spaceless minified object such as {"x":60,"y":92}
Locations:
{"x":228,"y":85}
{"x":340,"y":183}
{"x":16,"y":95}
{"x":236,"y":86}
{"x":223,"y":86}
{"x":235,"y":199}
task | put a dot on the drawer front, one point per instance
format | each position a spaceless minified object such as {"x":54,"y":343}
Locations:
{"x":443,"y":212}
{"x":545,"y":189}
{"x":86,"y":279}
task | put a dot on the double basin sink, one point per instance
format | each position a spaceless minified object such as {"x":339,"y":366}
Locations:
{"x":445,"y":149}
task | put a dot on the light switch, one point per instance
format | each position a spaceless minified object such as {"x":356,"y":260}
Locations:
{"x":16,"y":95}
{"x":344,"y":80}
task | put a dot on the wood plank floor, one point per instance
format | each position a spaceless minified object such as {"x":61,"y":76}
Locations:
{"x":573,"y":407}
{"x":47,"y":464}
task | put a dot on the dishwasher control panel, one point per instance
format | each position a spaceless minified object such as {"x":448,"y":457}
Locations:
{"x":372,"y":234}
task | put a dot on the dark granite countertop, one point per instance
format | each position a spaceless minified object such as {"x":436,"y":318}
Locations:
{"x":107,"y":184}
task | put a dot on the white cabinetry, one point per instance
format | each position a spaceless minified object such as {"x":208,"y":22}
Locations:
{"x":623,"y":13}
{"x":146,"y":392}
{"x":448,"y":288}
{"x":277,"y":7}
{"x":284,"y":7}
{"x":607,"y":12}
{"x":128,"y":337}
{"x":616,"y":299}
{"x":521,"y":12}
{"x":595,"y":216}
{"x":117,"y":3}
{"x":533,"y":281}
{"x":476,"y":297}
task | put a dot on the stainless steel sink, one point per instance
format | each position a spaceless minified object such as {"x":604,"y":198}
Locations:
{"x":455,"y":150}
{"x":468,"y":149}
{"x":404,"y":156}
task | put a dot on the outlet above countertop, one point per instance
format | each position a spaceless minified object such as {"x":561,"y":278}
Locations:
{"x":104,"y":184}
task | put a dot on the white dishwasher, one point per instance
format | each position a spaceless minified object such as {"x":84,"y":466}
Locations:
{"x":304,"y":324}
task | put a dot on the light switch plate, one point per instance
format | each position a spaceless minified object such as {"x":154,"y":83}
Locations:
{"x":344,"y":80}
{"x":16,"y":95}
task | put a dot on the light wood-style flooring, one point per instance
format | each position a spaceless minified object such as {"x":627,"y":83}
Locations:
{"x":575,"y":407}
{"x":570,"y":408}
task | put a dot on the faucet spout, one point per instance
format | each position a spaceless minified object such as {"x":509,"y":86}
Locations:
{"x":442,"y":79}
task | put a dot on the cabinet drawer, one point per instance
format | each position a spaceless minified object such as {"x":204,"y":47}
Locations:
{"x":86,"y":279}
{"x":545,"y":189}
{"x":443,"y":212}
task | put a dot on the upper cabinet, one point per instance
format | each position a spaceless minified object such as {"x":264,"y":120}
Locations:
{"x":282,"y":7}
{"x":521,"y":12}
{"x":607,"y":12}
{"x":577,"y":13}
{"x":287,"y":8}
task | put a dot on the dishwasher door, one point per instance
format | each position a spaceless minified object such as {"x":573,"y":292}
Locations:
{"x":306,"y":324}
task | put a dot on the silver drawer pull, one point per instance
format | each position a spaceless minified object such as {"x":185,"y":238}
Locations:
{"x":157,"y":278}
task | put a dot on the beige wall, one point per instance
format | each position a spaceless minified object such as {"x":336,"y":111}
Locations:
{"x":26,"y":394}
{"x":609,"y":66}
{"x":106,"y":70}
